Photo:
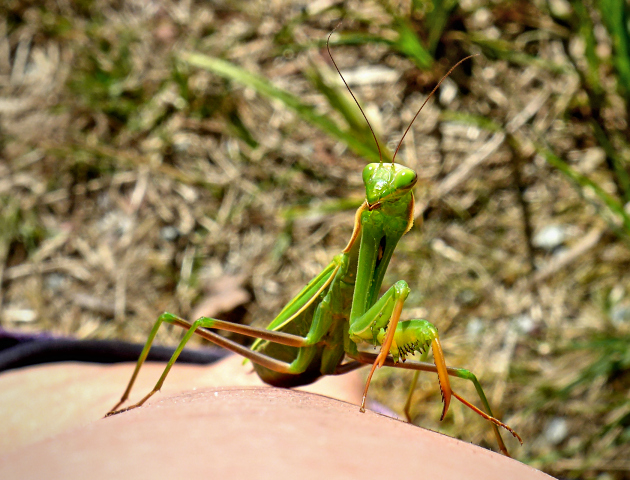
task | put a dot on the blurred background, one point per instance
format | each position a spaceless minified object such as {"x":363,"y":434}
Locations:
{"x":204,"y":158}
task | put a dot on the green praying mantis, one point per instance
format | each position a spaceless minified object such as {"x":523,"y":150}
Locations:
{"x":320,"y":331}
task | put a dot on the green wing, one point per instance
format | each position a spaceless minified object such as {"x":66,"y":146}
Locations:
{"x":303,"y":299}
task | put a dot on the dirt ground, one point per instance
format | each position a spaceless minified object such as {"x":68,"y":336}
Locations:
{"x":133,"y":181}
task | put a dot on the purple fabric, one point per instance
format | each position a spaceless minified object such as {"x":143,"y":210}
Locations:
{"x":19,"y":349}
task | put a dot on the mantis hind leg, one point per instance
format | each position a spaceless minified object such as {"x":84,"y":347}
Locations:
{"x":200,"y":327}
{"x":368,"y":358}
{"x":412,"y":388}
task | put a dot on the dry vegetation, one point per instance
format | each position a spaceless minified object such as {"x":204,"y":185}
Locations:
{"x":132,"y":182}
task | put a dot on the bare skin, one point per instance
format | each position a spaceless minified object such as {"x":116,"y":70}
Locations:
{"x":250,"y":432}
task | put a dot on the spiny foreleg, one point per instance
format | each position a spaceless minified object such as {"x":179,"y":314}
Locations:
{"x":413,"y":336}
{"x":381,"y":318}
{"x":417,"y":335}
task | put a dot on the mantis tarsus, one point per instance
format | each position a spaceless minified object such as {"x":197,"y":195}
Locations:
{"x":340,"y":308}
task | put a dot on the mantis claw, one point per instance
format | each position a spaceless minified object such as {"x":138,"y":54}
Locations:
{"x":443,"y":381}
{"x":122,"y":410}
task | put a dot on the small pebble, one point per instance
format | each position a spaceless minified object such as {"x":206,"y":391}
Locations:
{"x":55,"y":281}
{"x":524,"y":324}
{"x":169,"y":233}
{"x":550,"y":237}
{"x":556,"y":430}
{"x":448,"y":92}
{"x":474,"y":328}
{"x":620,"y":314}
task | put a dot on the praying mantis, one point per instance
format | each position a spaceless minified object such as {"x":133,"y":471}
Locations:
{"x":319,"y":332}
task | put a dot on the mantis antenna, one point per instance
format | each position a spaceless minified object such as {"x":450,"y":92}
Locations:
{"x":430,"y":95}
{"x":380,"y":155}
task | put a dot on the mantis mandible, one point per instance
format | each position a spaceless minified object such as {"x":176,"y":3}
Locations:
{"x":340,"y":309}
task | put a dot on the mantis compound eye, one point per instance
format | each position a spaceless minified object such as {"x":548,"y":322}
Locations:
{"x":368,"y":171}
{"x":405,"y":179}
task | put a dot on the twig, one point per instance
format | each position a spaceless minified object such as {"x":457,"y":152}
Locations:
{"x":463,"y":171}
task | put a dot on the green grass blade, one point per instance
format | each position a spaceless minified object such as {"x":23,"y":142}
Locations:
{"x":586,"y":31}
{"x":614,"y":205}
{"x":262,"y":86}
{"x":493,"y":48}
{"x":615,"y":16}
{"x":342,"y":102}
{"x":409,"y":44}
{"x":618,"y":163}
{"x":338,"y":99}
{"x":436,"y":20}
{"x":471,"y":119}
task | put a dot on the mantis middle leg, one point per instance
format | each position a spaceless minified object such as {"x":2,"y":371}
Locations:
{"x":200,"y":327}
{"x":321,"y":285}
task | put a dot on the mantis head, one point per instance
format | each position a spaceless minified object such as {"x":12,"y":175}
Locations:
{"x":387,"y":182}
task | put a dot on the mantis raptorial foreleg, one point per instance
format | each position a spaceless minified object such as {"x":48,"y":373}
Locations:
{"x":369,"y":358}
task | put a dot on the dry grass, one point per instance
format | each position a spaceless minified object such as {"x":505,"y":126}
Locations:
{"x":131,"y":183}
